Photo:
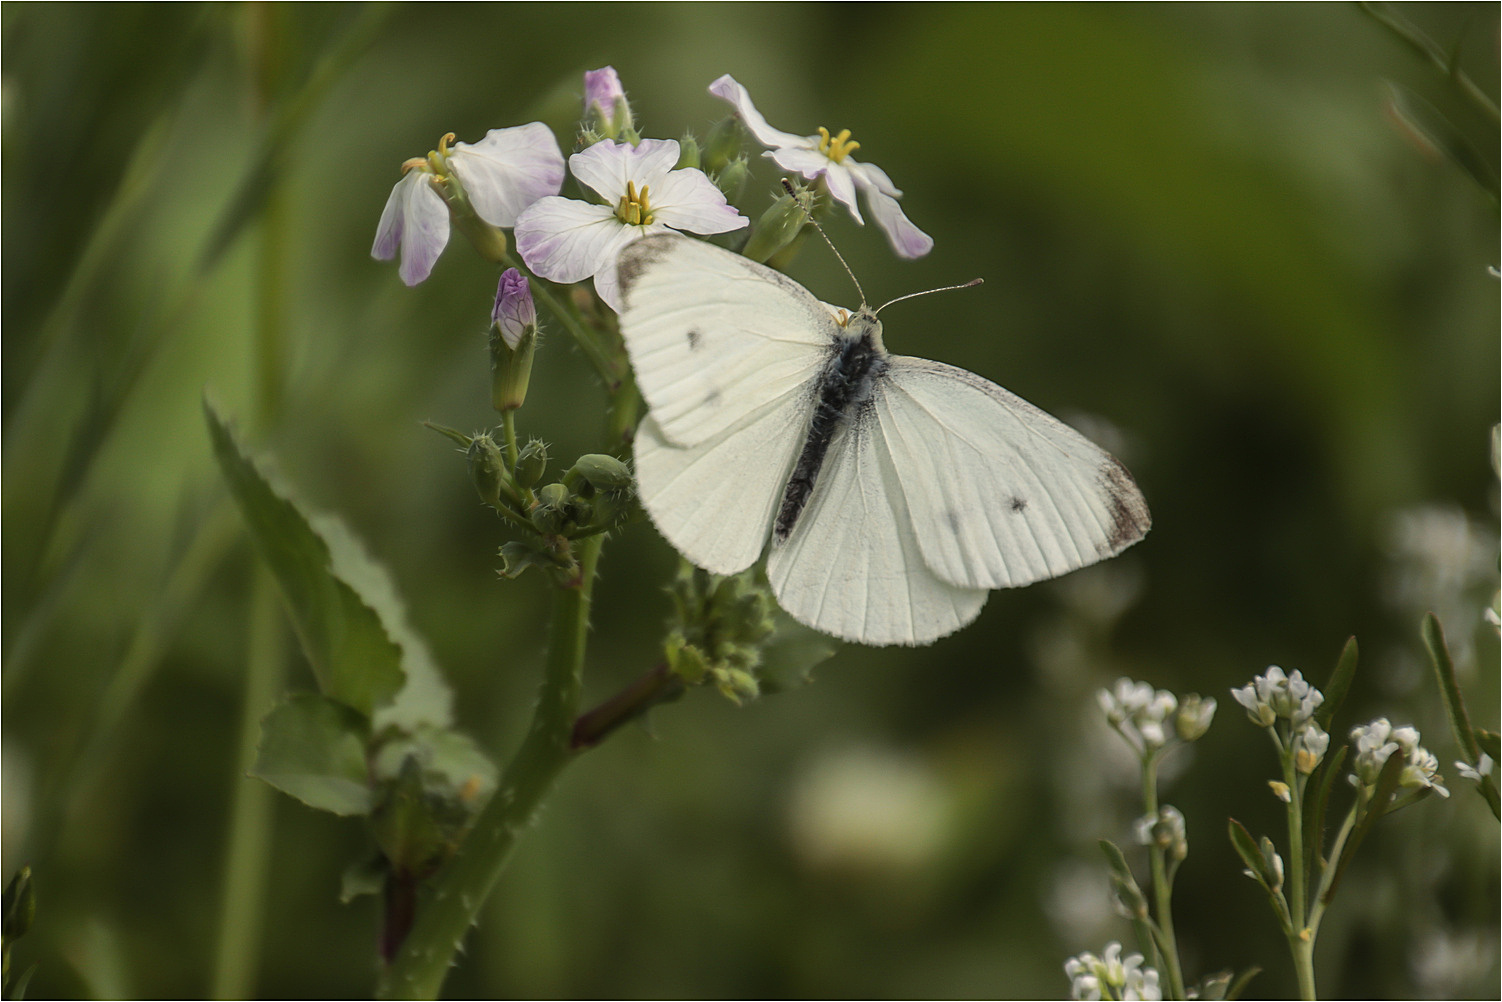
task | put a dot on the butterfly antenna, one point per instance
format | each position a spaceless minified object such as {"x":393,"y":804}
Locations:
{"x":914,"y":295}
{"x":804,"y":199}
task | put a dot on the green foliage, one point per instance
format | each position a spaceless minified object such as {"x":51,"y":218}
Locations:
{"x":313,"y":748}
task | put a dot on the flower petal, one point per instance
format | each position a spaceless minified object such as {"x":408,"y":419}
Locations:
{"x":508,"y":170}
{"x":906,"y":239}
{"x":727,"y":89}
{"x":564,"y":239}
{"x":607,"y":165}
{"x":607,"y":281}
{"x":424,"y":227}
{"x":688,"y":200}
{"x":389,"y":230}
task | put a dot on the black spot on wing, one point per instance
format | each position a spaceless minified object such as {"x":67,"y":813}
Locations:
{"x":712,"y":398}
{"x":1129,"y":516}
{"x":638,"y":257}
{"x":1018,"y":504}
{"x":695,"y":339}
{"x":953,"y":521}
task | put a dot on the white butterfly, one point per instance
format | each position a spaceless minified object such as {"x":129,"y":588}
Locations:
{"x":896,"y":491}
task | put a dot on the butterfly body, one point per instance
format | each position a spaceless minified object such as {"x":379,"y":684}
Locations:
{"x":894,"y":492}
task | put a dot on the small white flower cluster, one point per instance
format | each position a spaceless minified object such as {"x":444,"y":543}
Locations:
{"x":1149,"y":719}
{"x":1110,"y":977}
{"x":1483,"y":768}
{"x":1165,"y":830}
{"x":1275,"y":696}
{"x":1376,"y":742}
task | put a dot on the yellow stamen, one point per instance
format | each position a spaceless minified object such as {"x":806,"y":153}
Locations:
{"x":634,"y":209}
{"x":443,"y":144}
{"x":837,"y":148}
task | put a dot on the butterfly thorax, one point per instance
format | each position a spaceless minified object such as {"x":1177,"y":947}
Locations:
{"x":846,"y":384}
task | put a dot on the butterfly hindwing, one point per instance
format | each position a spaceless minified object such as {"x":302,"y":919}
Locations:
{"x":851,"y":566}
{"x":714,"y":336}
{"x":1000,"y":493}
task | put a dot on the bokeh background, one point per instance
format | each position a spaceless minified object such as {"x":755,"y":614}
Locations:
{"x":1213,"y":236}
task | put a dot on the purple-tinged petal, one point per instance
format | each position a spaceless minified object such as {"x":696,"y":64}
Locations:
{"x":906,"y":239}
{"x":564,"y":239}
{"x":389,"y":230}
{"x":607,"y":281}
{"x":602,"y":88}
{"x":687,"y":200}
{"x":727,"y":89}
{"x":875,"y":176}
{"x":508,"y":170}
{"x":842,"y":189}
{"x":425,"y":227}
{"x":606,"y":166}
{"x":801,"y":160}
{"x":514,"y":310}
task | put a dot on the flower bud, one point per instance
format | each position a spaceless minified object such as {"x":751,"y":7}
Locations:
{"x":605,"y":105}
{"x":531,"y":463}
{"x":602,"y":472}
{"x":732,"y":180}
{"x":688,"y":152}
{"x":1193,"y":717}
{"x":1280,"y":790}
{"x":487,"y":468}
{"x":736,"y":684}
{"x":722,"y":145}
{"x":513,"y":337}
{"x":776,"y":230}
{"x":553,"y":509}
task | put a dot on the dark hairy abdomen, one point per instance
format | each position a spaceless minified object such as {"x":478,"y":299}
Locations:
{"x":844,"y":386}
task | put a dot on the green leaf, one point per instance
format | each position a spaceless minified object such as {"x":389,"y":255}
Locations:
{"x":1130,"y":895}
{"x":313,"y":748}
{"x":363,"y":876}
{"x":343,"y":606}
{"x":433,"y":782}
{"x":791,"y":655}
{"x":1242,"y":980}
{"x":1489,"y":743}
{"x":1449,"y":690}
{"x":1428,"y":127}
{"x":19,"y":905}
{"x":1245,"y":846}
{"x":1382,"y":796}
{"x":1339,"y":684}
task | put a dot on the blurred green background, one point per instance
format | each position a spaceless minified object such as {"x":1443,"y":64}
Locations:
{"x":1208,"y":237}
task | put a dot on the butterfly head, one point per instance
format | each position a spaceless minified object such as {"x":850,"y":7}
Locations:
{"x":862,"y":325}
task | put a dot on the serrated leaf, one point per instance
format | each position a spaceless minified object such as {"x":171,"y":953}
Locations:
{"x":789,"y":658}
{"x":353,"y":652}
{"x":313,"y":748}
{"x":1339,"y":684}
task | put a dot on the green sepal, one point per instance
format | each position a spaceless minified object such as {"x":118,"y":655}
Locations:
{"x":776,"y":230}
{"x":313,"y":748}
{"x":688,"y":152}
{"x":453,"y":434}
{"x":511,"y":368}
{"x":364,"y":876}
{"x":1213,"y":987}
{"x":346,"y":632}
{"x":487,"y":470}
{"x":1339,"y":684}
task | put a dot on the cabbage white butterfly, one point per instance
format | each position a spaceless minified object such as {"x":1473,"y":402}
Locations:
{"x":896,"y":492}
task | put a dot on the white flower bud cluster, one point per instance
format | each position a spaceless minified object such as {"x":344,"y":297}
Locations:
{"x":1111,"y":977}
{"x":1149,"y":719}
{"x":1165,"y":830}
{"x":1275,"y":695}
{"x":1377,"y":741}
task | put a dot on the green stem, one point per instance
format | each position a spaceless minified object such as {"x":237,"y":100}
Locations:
{"x":1318,"y":905}
{"x":508,"y":424}
{"x":247,"y":859}
{"x":445,"y":914}
{"x":605,"y":364}
{"x":1168,"y":959}
{"x":1300,"y":937}
{"x":657,"y":686}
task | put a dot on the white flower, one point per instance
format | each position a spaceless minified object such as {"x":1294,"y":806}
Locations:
{"x":1139,"y":713}
{"x":1310,"y":745}
{"x":1481,"y":769}
{"x":1109,"y":976}
{"x":566,"y":240}
{"x":1165,"y":830}
{"x":501,"y":175}
{"x":829,"y":157}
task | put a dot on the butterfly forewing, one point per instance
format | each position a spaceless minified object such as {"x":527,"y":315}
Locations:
{"x":851,"y":566}
{"x":714,"y":336}
{"x":714,"y":501}
{"x":1000,"y":493}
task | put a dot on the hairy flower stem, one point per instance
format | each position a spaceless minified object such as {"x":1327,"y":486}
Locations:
{"x":1168,"y":949}
{"x":445,"y":914}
